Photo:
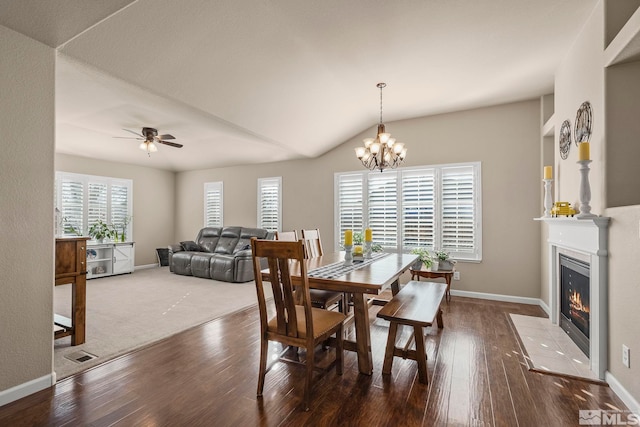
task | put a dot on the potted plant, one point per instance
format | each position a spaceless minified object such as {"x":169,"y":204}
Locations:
{"x":423,"y":258}
{"x":100,"y":230}
{"x":358,"y":240}
{"x":444,"y":261}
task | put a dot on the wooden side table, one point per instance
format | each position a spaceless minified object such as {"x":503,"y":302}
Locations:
{"x":447,"y":275}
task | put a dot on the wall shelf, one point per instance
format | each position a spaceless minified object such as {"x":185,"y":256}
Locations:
{"x":625,"y":47}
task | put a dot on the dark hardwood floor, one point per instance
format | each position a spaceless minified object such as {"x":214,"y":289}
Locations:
{"x":207,"y":376}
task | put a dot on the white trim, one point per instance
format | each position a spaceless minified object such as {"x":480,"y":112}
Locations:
{"x":146,"y":266}
{"x":25,"y":389}
{"x":622,"y":393}
{"x":545,"y":307}
{"x":498,"y":297}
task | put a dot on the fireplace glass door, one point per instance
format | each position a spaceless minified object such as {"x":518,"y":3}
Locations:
{"x":574,"y":301}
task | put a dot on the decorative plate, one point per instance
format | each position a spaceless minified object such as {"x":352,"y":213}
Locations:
{"x":582,"y":130}
{"x":565,"y":139}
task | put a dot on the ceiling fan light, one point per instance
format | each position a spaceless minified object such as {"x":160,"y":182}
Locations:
{"x":143,"y":146}
{"x":152,"y":147}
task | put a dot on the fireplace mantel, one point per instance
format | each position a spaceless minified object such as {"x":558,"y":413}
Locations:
{"x":590,"y":238}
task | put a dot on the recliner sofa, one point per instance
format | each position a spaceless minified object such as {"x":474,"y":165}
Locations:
{"x":219,"y":253}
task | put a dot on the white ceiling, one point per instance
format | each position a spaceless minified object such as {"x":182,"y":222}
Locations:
{"x":247,"y":81}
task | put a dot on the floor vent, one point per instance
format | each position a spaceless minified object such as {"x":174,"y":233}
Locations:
{"x":80,"y":356}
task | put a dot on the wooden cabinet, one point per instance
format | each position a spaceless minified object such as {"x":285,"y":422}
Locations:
{"x":107,"y":259}
{"x":71,"y":268}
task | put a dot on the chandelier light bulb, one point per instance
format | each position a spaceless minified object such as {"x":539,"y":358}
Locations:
{"x":384,"y":137}
{"x":375,"y":148}
{"x":368,"y":142}
{"x":397,"y":148}
{"x":360,"y":152}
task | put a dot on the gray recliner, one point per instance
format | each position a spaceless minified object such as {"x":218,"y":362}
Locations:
{"x":219,"y":253}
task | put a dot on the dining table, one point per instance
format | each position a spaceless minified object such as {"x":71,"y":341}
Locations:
{"x":362,"y":279}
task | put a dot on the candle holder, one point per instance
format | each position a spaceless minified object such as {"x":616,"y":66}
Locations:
{"x":548,"y":201}
{"x":348,"y":255}
{"x":585,"y":191}
{"x":367,"y":250}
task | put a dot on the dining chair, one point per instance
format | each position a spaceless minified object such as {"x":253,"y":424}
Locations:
{"x":312,"y":242}
{"x":293,"y":325}
{"x":319,"y":297}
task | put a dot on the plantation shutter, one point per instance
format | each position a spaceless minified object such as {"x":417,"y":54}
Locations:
{"x":350,"y":204}
{"x":96,"y":203}
{"x":383,"y":208}
{"x":269,"y":203}
{"x":458,"y":210}
{"x":418,"y":208}
{"x":119,"y":206}
{"x":213,"y":204}
{"x":72,"y":205}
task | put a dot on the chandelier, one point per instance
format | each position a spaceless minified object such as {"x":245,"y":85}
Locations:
{"x":381,"y":152}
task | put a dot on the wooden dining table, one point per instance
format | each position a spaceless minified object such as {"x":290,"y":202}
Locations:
{"x":370,"y":279}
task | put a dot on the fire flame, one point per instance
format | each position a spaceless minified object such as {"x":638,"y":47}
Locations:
{"x":575,"y":300}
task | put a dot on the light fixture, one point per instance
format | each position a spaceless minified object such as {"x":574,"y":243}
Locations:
{"x":382,"y":152}
{"x":148,"y":146}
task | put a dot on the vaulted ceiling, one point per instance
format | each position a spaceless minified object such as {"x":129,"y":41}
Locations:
{"x":248,"y":81}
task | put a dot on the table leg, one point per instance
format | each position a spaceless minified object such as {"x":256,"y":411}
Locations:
{"x":395,"y":287}
{"x":363,"y":337}
{"x":448,"y":279}
{"x":78,"y":308}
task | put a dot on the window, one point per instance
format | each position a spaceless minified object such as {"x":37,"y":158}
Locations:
{"x":270,"y":203}
{"x":437,"y":207}
{"x":86,"y":199}
{"x":213,"y":204}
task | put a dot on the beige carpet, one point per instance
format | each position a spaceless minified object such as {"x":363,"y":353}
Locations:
{"x":132,"y":310}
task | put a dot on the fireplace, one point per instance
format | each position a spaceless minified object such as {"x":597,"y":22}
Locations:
{"x":574,"y":300}
{"x":581,"y":305}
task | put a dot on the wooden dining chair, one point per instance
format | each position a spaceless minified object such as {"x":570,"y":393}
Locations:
{"x":319,"y":297}
{"x":293,"y":325}
{"x":312,"y":242}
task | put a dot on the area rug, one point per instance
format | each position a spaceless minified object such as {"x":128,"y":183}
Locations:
{"x":549,"y":349}
{"x":131,"y":311}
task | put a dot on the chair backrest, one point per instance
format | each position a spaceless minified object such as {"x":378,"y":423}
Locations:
{"x":288,"y":236}
{"x":312,"y":242}
{"x":279,"y":255}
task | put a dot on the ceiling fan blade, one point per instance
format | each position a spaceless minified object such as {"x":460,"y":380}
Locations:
{"x":134,"y":132}
{"x":128,"y":137}
{"x":167,"y":136}
{"x":172,"y":144}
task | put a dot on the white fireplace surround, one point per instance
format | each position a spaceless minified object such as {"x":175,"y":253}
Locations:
{"x":586,"y":240}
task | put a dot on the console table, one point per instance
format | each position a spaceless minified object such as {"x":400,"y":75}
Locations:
{"x":71,"y":267}
{"x":447,"y":275}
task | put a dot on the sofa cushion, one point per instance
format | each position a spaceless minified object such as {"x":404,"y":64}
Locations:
{"x":245,"y":238}
{"x":208,"y":238}
{"x":200,"y":265}
{"x":228,"y":240}
{"x":221,"y":267}
{"x":181,"y":263}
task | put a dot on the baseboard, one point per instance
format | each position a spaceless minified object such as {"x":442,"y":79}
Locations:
{"x":146,"y":266}
{"x":497,"y":297}
{"x":622,"y":393}
{"x":25,"y":389}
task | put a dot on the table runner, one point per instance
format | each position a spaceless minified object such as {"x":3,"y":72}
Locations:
{"x":337,"y":269}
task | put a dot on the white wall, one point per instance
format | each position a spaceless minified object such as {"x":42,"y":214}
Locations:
{"x":27,"y":126}
{"x":153,"y":200}
{"x":582,"y":77}
{"x":504,"y":138}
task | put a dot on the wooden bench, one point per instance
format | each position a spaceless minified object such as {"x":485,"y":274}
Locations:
{"x":418,"y":305}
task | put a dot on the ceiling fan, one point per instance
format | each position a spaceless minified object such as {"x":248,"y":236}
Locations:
{"x":150,"y":138}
